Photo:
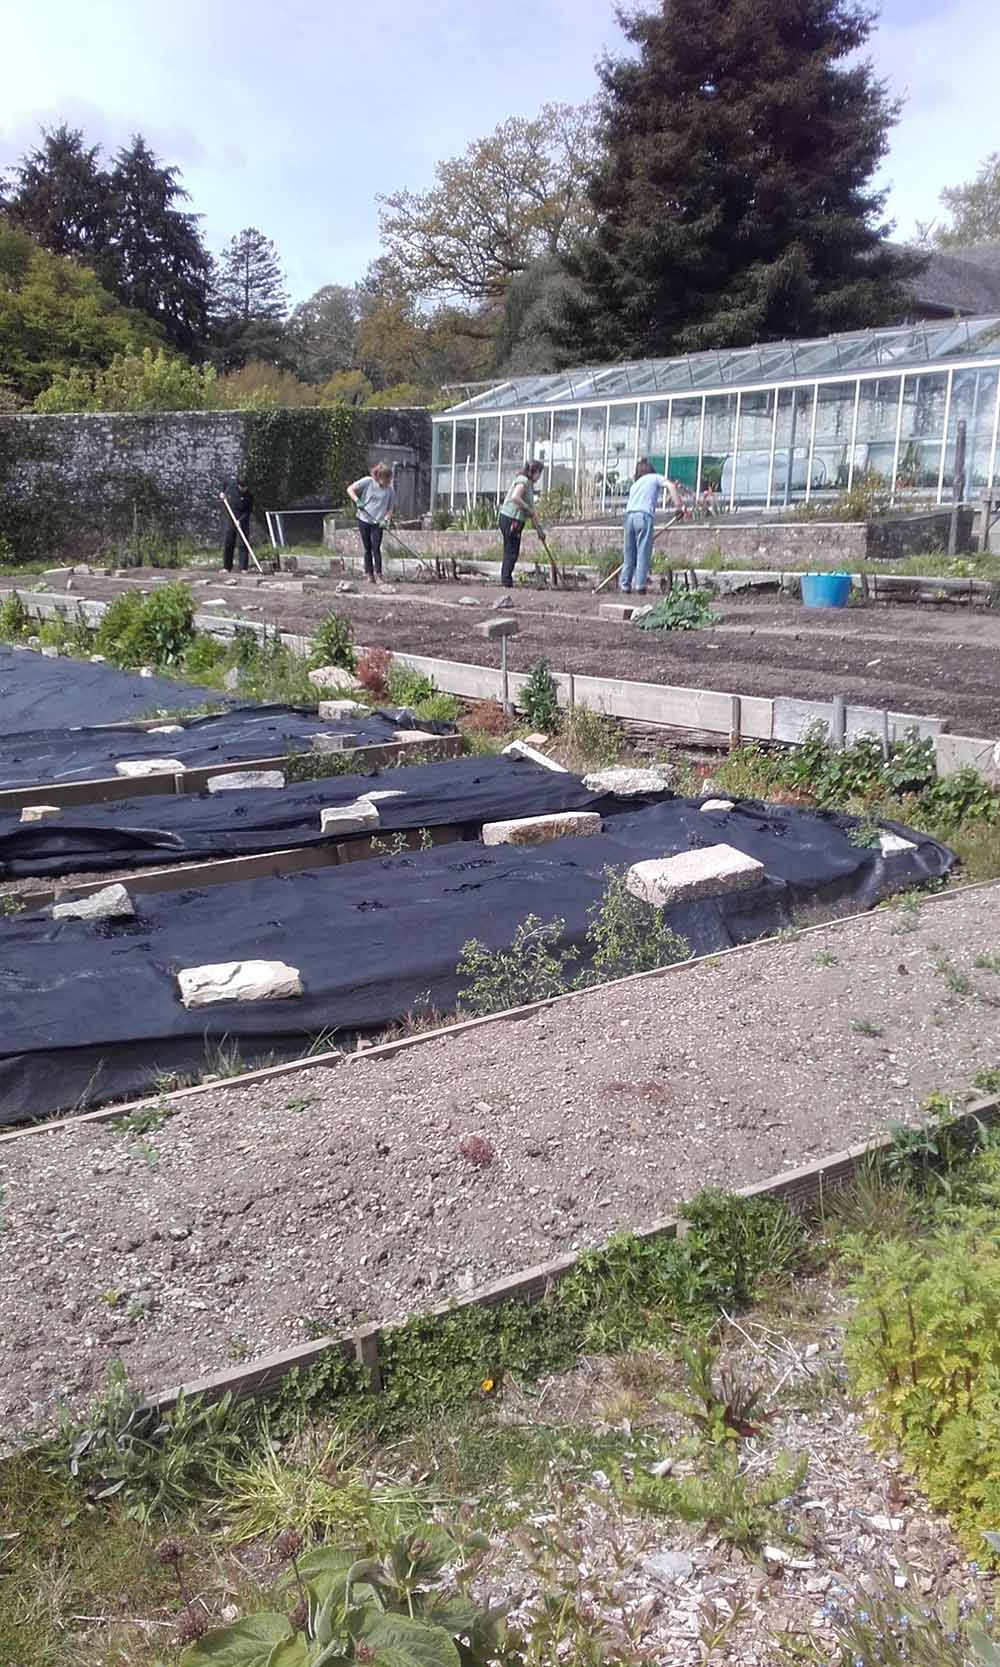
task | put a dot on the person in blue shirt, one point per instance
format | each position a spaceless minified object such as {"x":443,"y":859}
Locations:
{"x":643,"y":498}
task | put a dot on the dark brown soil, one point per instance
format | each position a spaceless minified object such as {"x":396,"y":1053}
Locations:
{"x":934,"y":662}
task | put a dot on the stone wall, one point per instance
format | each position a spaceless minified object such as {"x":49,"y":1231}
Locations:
{"x":83,"y":482}
{"x":792,"y":545}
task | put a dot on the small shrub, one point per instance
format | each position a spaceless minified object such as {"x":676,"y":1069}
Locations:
{"x":203,"y":657}
{"x":597,"y":739}
{"x":373,"y":670}
{"x":438,"y":708}
{"x":153,"y":630}
{"x":532,"y":969}
{"x":14,"y":620}
{"x":487,"y":717}
{"x":627,"y":935}
{"x":961,"y":797}
{"x":407,"y":687}
{"x":333,"y":643}
{"x":441,"y":520}
{"x":539,"y":699}
{"x":680,"y":610}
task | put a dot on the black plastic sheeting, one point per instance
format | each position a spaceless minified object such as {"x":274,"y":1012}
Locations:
{"x":188,"y":827}
{"x":245,"y":733}
{"x":37,"y":692}
{"x":91,"y":1010}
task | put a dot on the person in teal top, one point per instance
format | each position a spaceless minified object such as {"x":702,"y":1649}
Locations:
{"x":375,"y":498}
{"x":517,"y":508}
{"x":643,"y":498}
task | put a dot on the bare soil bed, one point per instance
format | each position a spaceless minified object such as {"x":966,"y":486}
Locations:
{"x":329,"y":1197}
{"x":936,"y":662}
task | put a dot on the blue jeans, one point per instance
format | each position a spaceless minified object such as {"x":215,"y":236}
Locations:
{"x":638,"y":550}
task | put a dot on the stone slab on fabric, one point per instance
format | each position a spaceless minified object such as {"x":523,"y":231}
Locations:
{"x":413,"y":737}
{"x":894,"y":844}
{"x":334,"y":743}
{"x":338,"y":711}
{"x":692,"y":874}
{"x":226,"y":981}
{"x":240,"y":780}
{"x":149,"y":767}
{"x":50,"y":652}
{"x":333,"y":677}
{"x":41,"y":813}
{"x":718,"y":804}
{"x":110,"y":903}
{"x":520,"y":749}
{"x":361,"y":816}
{"x":537,"y":830}
{"x":167,"y":729}
{"x":627,"y":784}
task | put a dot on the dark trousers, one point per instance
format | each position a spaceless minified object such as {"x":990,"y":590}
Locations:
{"x":371,"y":539}
{"x":511,"y":531}
{"x":234,"y":545}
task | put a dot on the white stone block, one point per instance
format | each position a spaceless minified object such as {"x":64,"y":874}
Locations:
{"x":98,"y":659}
{"x":146,"y":671}
{"x":704,"y":873}
{"x":334,"y":743}
{"x":493,"y":629}
{"x":111,"y":903}
{"x":616,"y":611}
{"x":718,"y":804}
{"x":239,"y":780}
{"x":340,"y":710}
{"x":149,"y":767}
{"x":41,"y":813}
{"x":238,"y":981}
{"x":333,"y":677}
{"x":520,"y":749}
{"x":360,"y":816}
{"x":627,"y":784}
{"x":50,"y":652}
{"x":892,"y":844}
{"x":413,"y":737}
{"x":538,"y":830}
{"x":167,"y":729}
{"x":386,"y":793}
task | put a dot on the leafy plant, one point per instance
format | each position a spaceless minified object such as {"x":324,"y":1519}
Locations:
{"x":880,"y":1625}
{"x":539,"y":699}
{"x":487,"y":717}
{"x":737,"y":1510}
{"x":627,"y":935}
{"x":153,"y":630}
{"x":203,"y":657}
{"x":964,"y":796}
{"x":406,"y":687}
{"x":532,"y":969}
{"x":374,"y":668}
{"x":719,"y":1402}
{"x":15,"y":622}
{"x":333,"y":643}
{"x":398,"y":1611}
{"x":680,"y":610}
{"x":597,"y":739}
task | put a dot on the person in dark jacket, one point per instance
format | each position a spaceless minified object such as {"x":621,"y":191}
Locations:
{"x":240,"y":500}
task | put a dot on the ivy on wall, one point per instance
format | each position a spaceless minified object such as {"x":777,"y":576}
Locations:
{"x":304,"y":452}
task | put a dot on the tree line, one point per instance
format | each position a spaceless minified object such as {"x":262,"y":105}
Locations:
{"x":717,"y":191}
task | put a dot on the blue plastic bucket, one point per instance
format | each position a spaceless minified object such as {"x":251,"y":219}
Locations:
{"x":826,"y":590}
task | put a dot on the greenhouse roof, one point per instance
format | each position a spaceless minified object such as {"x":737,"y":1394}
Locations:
{"x":903,"y":347}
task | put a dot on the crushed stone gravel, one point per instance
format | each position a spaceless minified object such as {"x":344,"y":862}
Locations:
{"x":332,"y":1197}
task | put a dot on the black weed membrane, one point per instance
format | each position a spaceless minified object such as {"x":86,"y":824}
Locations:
{"x":192,"y":827}
{"x":238,"y":735}
{"x":37,"y":692}
{"x":91,"y":1010}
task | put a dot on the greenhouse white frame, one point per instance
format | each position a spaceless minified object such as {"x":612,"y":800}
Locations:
{"x":762,"y":427}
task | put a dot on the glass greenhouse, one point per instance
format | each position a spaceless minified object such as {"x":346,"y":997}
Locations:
{"x":761,"y":427}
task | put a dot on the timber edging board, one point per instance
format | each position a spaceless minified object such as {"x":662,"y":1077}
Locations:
{"x":795,"y":1187}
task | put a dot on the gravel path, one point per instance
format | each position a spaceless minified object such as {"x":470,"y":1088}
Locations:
{"x":330,"y":1197}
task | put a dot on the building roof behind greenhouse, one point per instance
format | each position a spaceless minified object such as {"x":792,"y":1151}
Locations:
{"x":861,"y":352}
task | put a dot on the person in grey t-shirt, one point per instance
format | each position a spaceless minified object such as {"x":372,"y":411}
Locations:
{"x":375,"y":498}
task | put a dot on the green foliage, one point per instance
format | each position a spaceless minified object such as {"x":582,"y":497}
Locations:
{"x":479,"y":516}
{"x":627,"y":935}
{"x":400,"y":1610}
{"x":145,"y":381}
{"x":271,"y":672}
{"x":924,"y":1344}
{"x":597,"y":739}
{"x":724,"y":1500}
{"x":154,"y":630}
{"x":156,"y":1464}
{"x":405,"y":687}
{"x":963,"y":796}
{"x":292,"y":453}
{"x":539,"y":699}
{"x":203,"y":657}
{"x":532,"y":969}
{"x":15,"y":621}
{"x":333,"y":643}
{"x":680,"y":610}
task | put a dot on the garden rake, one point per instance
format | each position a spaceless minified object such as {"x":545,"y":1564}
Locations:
{"x":239,"y":529}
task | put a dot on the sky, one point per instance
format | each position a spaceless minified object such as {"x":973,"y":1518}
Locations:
{"x":293,"y":115}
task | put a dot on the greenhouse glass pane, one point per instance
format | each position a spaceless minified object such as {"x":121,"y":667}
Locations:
{"x":621,"y":455}
{"x":465,"y":461}
{"x":442,"y":441}
{"x":653,"y":433}
{"x":513,"y":451}
{"x":562,"y":474}
{"x":753,"y":450}
{"x":685,"y":433}
{"x":592,"y":426}
{"x":924,"y":399}
{"x":832,"y":448}
{"x":791,"y":445}
{"x":973,"y":401}
{"x":720,"y":434}
{"x":487,"y":479}
{"x":875,"y":446}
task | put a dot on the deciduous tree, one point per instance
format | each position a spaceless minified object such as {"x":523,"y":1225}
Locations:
{"x":734,"y":198}
{"x":321,"y":332}
{"x":974,"y":208}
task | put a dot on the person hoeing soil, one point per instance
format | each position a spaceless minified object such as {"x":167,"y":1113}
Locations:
{"x":238,"y":500}
{"x":644,"y":495}
{"x":517,"y":508}
{"x":375,"y":498}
